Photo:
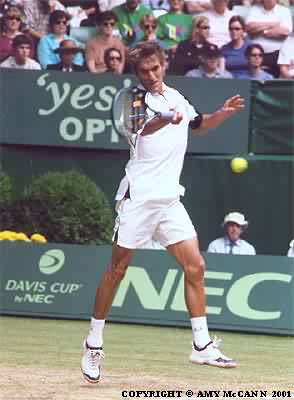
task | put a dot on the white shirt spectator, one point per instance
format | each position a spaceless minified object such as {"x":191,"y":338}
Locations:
{"x":286,"y":55}
{"x":291,"y":249}
{"x":224,"y":246}
{"x":11,"y":63}
{"x":219,"y":26}
{"x":278,"y":14}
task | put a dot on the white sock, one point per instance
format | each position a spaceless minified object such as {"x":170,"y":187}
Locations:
{"x":200,"y":331}
{"x":95,"y":337}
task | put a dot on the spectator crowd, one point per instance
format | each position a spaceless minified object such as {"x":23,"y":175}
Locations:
{"x":243,"y":39}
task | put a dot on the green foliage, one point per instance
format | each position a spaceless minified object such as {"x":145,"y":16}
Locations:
{"x":6,"y":217}
{"x":5,"y":188}
{"x":66,"y":208}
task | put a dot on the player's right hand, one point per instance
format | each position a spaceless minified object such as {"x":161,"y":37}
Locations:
{"x":176,"y":118}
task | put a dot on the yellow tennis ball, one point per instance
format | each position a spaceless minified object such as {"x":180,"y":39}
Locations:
{"x":239,"y":164}
{"x":36,"y":237}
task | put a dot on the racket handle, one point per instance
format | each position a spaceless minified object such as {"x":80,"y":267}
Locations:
{"x":166,"y":114}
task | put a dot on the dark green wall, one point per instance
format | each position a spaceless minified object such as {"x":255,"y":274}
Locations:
{"x":264,"y":192}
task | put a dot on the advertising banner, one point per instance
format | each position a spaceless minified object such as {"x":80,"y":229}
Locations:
{"x":244,"y":293}
{"x":74,"y":110}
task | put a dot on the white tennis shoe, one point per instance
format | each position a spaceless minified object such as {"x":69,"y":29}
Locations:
{"x":91,"y":363}
{"x":211,"y":355}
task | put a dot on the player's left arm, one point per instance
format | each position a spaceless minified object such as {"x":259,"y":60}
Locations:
{"x":210,"y":121}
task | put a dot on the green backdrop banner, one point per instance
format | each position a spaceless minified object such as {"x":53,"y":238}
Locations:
{"x":74,"y":110}
{"x":272,"y":117}
{"x":60,"y":281}
{"x":264,"y":193}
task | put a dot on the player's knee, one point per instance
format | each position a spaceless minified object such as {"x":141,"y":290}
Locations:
{"x":194,"y":272}
{"x":117,"y":271}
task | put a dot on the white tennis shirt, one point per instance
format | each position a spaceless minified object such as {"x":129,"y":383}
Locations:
{"x":154,"y":169}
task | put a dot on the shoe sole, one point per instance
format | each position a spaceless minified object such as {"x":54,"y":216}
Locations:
{"x":90,"y":380}
{"x":214,"y":364}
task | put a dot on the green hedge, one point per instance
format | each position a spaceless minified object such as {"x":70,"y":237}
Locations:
{"x":5,"y":188}
{"x":65,"y":207}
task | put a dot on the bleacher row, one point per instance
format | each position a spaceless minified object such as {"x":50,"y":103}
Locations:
{"x":201,"y":38}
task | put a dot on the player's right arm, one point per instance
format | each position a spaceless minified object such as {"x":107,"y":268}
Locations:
{"x":156,"y":123}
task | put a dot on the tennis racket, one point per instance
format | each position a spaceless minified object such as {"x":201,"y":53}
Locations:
{"x":129,"y":113}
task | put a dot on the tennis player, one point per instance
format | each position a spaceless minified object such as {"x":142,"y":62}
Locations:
{"x":149,"y":207}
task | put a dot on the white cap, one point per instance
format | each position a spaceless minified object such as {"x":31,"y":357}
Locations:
{"x":237,"y":218}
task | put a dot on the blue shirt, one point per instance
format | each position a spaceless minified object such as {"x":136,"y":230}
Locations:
{"x":261,"y":76}
{"x":46,"y":54}
{"x":235,"y":59}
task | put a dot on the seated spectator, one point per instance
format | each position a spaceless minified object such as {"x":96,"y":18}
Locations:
{"x":67,"y":51}
{"x":195,"y":7}
{"x":148,"y":25}
{"x":103,"y":40}
{"x":11,"y":27}
{"x":291,"y":249}
{"x":58,"y":22}
{"x":20,"y":59}
{"x":189,"y":52}
{"x":286,"y":59}
{"x":37,"y":14}
{"x":233,"y":53}
{"x":209,"y":67}
{"x":174,"y":26}
{"x":129,"y":15}
{"x":219,"y":17}
{"x":269,"y":25}
{"x":254,"y":55}
{"x":113,"y":61}
{"x":231,"y":243}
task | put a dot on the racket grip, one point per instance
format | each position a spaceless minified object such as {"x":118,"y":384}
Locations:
{"x":166,"y":114}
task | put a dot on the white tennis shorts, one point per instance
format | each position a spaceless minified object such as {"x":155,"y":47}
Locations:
{"x":141,"y":223}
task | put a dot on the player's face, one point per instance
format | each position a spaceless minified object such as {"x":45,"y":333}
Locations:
{"x":150,"y":73}
{"x":233,"y":231}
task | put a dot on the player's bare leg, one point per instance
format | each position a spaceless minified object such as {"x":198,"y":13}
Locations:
{"x":110,"y":279}
{"x":204,"y":350}
{"x":91,"y":361}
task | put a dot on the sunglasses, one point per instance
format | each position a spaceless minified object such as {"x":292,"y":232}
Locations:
{"x":149,"y":26}
{"x":113,"y":58}
{"x":11,"y":17}
{"x":204,"y":27}
{"x":234,"y":29}
{"x":256,"y":55}
{"x":110,"y":23}
{"x":61,"y":22}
